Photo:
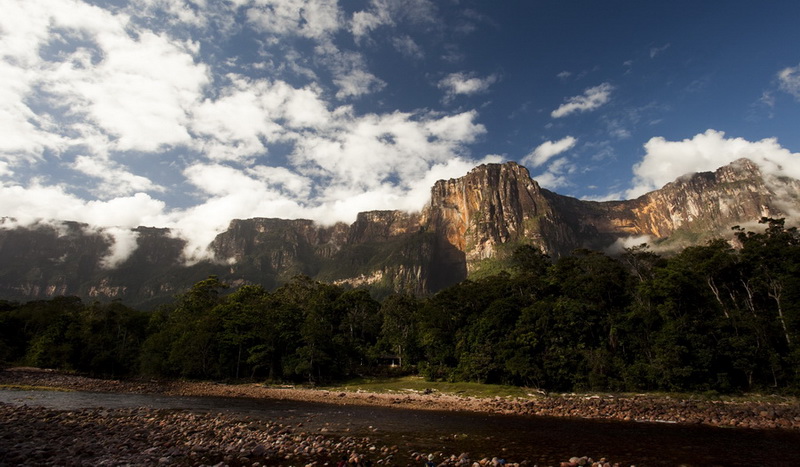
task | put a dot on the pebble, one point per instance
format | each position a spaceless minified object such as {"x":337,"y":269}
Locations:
{"x":143,"y":436}
{"x":38,"y":435}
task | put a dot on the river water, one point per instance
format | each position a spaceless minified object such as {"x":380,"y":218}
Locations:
{"x":542,"y":440}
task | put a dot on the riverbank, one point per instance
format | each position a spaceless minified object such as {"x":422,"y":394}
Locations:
{"x":782,"y":413}
{"x":146,"y":436}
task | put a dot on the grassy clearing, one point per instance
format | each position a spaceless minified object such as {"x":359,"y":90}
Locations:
{"x":417,"y":384}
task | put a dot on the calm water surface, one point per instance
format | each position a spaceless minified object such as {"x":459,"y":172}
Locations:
{"x":542,"y":440}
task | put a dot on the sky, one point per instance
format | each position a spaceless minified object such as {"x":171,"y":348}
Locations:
{"x":189,"y":113}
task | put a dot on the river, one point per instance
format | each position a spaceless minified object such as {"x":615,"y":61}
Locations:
{"x":540,"y":440}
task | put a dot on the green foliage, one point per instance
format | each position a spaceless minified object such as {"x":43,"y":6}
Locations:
{"x":709,"y":319}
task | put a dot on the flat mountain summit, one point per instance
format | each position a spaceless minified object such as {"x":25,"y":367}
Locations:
{"x":470,"y":227}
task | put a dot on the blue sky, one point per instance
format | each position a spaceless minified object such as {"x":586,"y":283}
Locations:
{"x":189,"y":113}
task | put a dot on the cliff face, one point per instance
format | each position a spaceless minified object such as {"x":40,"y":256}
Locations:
{"x":498,"y":207}
{"x":695,"y":207}
{"x":470,"y":222}
{"x":48,"y":260}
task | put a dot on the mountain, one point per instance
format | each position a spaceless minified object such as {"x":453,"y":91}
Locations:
{"x":469,"y":228}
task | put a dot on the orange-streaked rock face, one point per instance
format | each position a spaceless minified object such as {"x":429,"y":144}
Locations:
{"x":483,"y":215}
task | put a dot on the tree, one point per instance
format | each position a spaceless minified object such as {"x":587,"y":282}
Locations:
{"x":51,"y":326}
{"x":111,"y":336}
{"x":185,"y":337}
{"x":319,"y":353}
{"x":398,"y":328}
{"x":360,"y":325}
{"x":242,"y":314}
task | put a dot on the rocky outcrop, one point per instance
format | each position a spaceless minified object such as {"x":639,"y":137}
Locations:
{"x":470,"y":222}
{"x":48,"y":259}
{"x":691,"y":209}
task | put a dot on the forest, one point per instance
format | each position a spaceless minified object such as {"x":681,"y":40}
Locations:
{"x":708,"y":318}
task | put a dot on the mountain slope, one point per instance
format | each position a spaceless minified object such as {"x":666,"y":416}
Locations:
{"x":469,"y":227}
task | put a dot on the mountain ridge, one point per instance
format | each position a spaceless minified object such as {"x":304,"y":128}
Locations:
{"x":469,"y":227}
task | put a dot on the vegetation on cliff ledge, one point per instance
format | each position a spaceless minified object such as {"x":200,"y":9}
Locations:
{"x":711,"y":318}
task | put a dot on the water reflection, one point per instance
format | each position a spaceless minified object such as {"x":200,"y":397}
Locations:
{"x":541,"y":440}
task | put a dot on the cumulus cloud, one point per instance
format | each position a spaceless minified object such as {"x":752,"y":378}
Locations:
{"x":364,"y":22}
{"x":115,"y":179}
{"x":466,"y":84}
{"x":789,"y":81}
{"x":352,"y":77}
{"x":590,"y":100}
{"x":36,"y":202}
{"x":133,"y":88}
{"x":101,"y":92}
{"x":365,"y":154}
{"x":389,"y":13}
{"x":250,"y":114}
{"x":312,"y":19}
{"x":665,"y":161}
{"x":557,"y":174}
{"x":547,"y":150}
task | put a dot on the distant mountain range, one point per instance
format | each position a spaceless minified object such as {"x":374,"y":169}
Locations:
{"x":469,"y":228}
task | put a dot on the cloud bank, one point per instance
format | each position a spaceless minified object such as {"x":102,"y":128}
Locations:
{"x":665,"y":161}
{"x":187,"y":114}
{"x":112,"y":112}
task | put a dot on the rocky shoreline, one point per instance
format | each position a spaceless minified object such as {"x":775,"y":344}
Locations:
{"x":147,"y":436}
{"x":783,"y":414}
{"x":142,"y":436}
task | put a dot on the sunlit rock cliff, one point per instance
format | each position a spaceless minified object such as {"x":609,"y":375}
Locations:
{"x":470,"y":226}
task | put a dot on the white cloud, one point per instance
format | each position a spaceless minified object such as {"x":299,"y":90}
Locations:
{"x":116,"y":180}
{"x":123,"y":244}
{"x":320,"y":20}
{"x":312,"y":19}
{"x":408,"y":47}
{"x":767,"y":99}
{"x":350,"y":72}
{"x":591,"y":99}
{"x":188,"y":12}
{"x":250,"y":114}
{"x":466,"y":83}
{"x":389,"y":13}
{"x":101,"y":91}
{"x":364,"y":22}
{"x":363,"y":153}
{"x":548,"y":150}
{"x":789,"y":80}
{"x":665,"y":161}
{"x":139,"y":92}
{"x":36,"y":202}
{"x":23,"y":27}
{"x":354,"y":82}
{"x":297,"y":186}
{"x":621,"y":244}
{"x":133,"y":85}
{"x":556,"y":175}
